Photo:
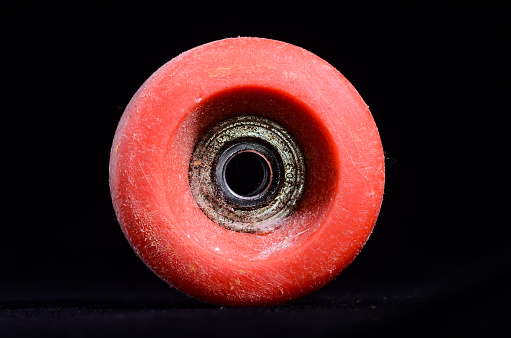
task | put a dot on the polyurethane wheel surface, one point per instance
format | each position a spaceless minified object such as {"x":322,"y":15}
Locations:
{"x":247,"y":171}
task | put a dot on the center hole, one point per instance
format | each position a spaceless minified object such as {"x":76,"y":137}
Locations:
{"x":248,"y":173}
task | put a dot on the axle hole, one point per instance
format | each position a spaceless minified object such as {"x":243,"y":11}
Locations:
{"x":248,"y":173}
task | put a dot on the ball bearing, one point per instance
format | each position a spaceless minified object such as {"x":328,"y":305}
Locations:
{"x":247,"y":173}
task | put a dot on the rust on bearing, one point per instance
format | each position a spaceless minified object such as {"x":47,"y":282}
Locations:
{"x":247,"y":133}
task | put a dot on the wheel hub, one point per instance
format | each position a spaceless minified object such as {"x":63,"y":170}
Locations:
{"x":247,"y":173}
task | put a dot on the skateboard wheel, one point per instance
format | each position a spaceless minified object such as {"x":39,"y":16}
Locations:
{"x":247,"y":171}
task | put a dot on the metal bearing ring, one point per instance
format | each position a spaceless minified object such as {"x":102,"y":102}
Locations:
{"x":247,"y":173}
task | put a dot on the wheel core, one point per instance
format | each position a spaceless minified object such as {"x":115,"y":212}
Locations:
{"x":247,"y":172}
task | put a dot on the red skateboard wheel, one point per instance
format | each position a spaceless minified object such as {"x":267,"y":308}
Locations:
{"x":247,"y":171}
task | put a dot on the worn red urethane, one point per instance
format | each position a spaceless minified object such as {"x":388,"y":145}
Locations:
{"x":150,"y":158}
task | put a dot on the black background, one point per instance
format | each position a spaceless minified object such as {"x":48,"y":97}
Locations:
{"x":436,"y":79}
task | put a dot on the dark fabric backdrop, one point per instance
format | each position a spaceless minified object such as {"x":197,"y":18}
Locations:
{"x":436,"y":78}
